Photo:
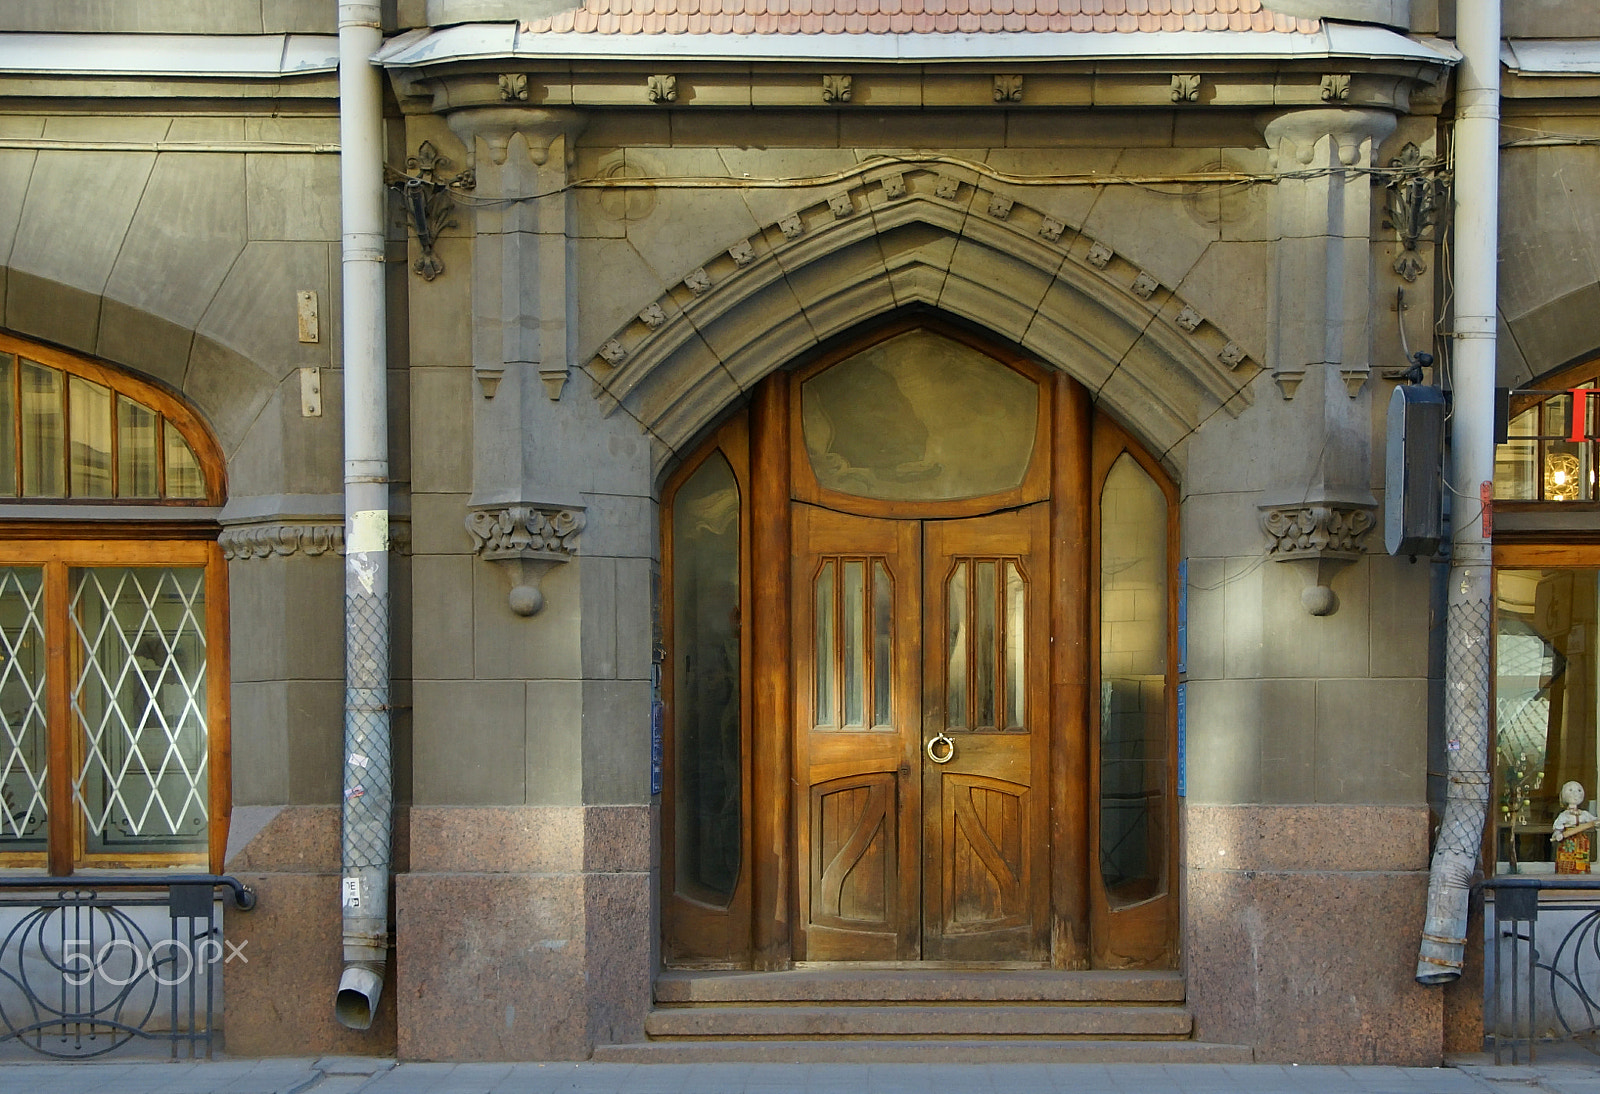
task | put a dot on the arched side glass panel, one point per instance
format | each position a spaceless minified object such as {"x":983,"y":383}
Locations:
{"x":919,"y":417}
{"x":1133,"y":684}
{"x":706,"y":674}
{"x":63,"y":435}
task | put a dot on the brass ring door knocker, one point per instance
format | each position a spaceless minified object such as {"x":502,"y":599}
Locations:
{"x":949,"y":749}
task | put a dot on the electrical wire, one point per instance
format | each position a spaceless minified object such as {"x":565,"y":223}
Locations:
{"x":1152,"y":183}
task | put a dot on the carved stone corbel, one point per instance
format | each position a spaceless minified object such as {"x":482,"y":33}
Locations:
{"x":496,"y":125}
{"x":1319,"y":539}
{"x":526,"y":540}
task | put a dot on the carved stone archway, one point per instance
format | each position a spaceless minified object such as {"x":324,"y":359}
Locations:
{"x":885,"y":243}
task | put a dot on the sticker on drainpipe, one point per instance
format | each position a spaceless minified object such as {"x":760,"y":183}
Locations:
{"x":369,"y":532}
{"x":352,"y":892}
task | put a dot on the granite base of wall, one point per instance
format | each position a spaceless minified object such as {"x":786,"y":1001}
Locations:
{"x":1463,"y":998}
{"x":524,"y":933}
{"x":279,"y":1001}
{"x":1301,"y":932}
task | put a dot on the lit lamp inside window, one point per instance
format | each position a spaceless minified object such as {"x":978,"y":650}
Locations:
{"x":1561,"y":477}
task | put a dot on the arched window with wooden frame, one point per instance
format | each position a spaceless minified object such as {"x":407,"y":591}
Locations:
{"x":113,"y":621}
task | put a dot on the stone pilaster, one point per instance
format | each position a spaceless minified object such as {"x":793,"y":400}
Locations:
{"x":1320,"y":331}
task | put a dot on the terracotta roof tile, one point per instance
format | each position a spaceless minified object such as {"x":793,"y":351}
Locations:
{"x":916,"y":16}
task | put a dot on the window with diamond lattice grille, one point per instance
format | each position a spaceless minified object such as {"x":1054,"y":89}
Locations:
{"x":113,"y":634}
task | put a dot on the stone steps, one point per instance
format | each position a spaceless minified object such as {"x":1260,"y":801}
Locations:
{"x":895,"y":1051}
{"x":905,"y":1021}
{"x":835,"y":985}
{"x":920,"y":1015}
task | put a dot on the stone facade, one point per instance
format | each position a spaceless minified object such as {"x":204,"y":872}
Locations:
{"x":1207,"y":245}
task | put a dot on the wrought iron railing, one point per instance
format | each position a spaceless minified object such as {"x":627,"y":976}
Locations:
{"x":1543,"y":986}
{"x":89,"y":964}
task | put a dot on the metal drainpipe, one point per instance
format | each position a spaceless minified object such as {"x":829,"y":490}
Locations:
{"x":1469,"y":619}
{"x":368,"y":777}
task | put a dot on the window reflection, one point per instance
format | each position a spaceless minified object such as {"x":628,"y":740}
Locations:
{"x":919,"y":417}
{"x":1133,"y":667}
{"x":1545,"y":708}
{"x":706,"y":714}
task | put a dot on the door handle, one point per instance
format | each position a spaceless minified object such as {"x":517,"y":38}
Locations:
{"x":933,"y":749}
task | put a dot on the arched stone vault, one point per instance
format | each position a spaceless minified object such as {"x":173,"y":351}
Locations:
{"x":228,"y":388}
{"x":945,"y":238}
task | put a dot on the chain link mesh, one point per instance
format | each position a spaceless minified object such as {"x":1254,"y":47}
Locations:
{"x":1466,"y":725}
{"x":368,"y":789}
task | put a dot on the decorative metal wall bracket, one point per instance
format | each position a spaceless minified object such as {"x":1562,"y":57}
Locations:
{"x":526,"y":540}
{"x":1319,"y":539}
{"x":1418,"y":192}
{"x":425,"y":199}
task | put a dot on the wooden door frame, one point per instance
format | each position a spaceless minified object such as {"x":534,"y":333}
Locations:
{"x":1067,"y":474}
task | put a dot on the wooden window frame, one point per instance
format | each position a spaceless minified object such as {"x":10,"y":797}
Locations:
{"x":1555,"y":384}
{"x":698,"y":934}
{"x":1142,"y":934}
{"x":171,"y":408}
{"x":101,"y":539}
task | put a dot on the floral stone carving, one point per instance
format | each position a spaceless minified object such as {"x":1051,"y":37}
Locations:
{"x":526,"y":540}
{"x":1321,"y":538}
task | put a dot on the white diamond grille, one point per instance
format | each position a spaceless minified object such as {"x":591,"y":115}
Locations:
{"x":140,"y":697}
{"x":24,"y":740}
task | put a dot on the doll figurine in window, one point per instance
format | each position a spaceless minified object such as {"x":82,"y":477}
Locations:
{"x":1572,"y":832}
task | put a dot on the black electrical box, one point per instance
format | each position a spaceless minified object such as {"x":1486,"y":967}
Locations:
{"x":1413,"y":520}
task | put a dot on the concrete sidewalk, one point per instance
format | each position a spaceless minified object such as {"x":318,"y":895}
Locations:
{"x":1565,"y":1075}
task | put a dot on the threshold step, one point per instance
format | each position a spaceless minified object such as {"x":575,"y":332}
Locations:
{"x":1033,"y":1051}
{"x":908,"y":1020}
{"x":855,"y":985}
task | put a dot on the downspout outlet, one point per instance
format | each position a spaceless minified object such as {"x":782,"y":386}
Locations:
{"x":359,"y":990}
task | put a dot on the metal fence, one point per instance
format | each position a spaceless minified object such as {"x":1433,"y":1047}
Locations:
{"x":1543,"y":964}
{"x":90,"y":964}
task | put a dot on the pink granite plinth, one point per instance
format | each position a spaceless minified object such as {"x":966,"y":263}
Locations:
{"x":279,"y":1002}
{"x":1302,"y":926}
{"x":524,"y":933}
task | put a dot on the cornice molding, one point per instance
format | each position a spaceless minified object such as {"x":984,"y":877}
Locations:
{"x":312,"y":537}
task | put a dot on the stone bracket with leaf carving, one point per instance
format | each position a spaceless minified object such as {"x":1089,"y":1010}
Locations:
{"x":1320,"y":539}
{"x":527,"y":540}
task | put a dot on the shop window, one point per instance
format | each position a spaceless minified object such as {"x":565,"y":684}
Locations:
{"x":1549,"y":453}
{"x":1547,"y":725}
{"x":112,"y":622}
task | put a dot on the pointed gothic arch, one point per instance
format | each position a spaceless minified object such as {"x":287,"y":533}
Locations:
{"x":903,"y":237}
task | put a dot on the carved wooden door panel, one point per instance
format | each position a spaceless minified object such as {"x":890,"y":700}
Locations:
{"x":858,"y":631}
{"x":921,"y":736}
{"x":986,"y":720}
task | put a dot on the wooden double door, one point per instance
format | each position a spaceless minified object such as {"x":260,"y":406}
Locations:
{"x":921,"y":735}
